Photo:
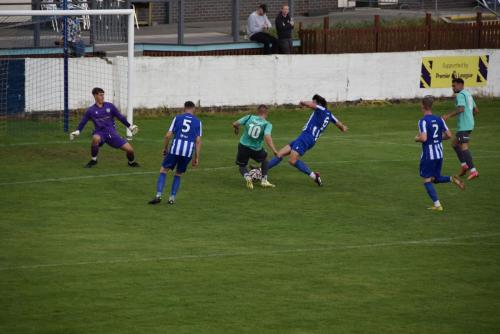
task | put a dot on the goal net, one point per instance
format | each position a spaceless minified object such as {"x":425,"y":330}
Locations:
{"x":51,"y":59}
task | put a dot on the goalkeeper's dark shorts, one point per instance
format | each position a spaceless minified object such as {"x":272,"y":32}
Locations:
{"x":245,"y":153}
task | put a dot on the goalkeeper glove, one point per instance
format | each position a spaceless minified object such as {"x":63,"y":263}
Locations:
{"x":74,"y":134}
{"x":134,"y":129}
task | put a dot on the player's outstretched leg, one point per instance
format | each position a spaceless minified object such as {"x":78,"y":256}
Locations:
{"x":94,"y":151}
{"x":160,"y":184}
{"x":447,"y":179}
{"x":265,"y":168}
{"x":277,"y":159}
{"x":301,"y":166}
{"x":175,"y":187}
{"x":130,"y":155}
{"x":433,"y":195}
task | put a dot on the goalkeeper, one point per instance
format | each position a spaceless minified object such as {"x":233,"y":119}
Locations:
{"x":102,"y":115}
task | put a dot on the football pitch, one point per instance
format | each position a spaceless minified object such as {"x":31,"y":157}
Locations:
{"x":81,"y":251}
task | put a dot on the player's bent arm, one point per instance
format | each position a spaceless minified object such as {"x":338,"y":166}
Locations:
{"x":236,"y":127}
{"x":133,"y":128}
{"x":80,"y":127}
{"x":475,"y":110}
{"x":269,"y":142}
{"x":341,"y":126}
{"x":166,"y":140}
{"x":197,"y":152}
{"x":447,"y":135}
{"x":421,"y":137}
{"x":309,"y":104}
{"x":459,"y":110}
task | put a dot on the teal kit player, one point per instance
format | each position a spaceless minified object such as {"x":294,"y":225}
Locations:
{"x":432,"y":130}
{"x":465,"y":110}
{"x":317,"y":123}
{"x":186,"y":146}
{"x":256,"y":130}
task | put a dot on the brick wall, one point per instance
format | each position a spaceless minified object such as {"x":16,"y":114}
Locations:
{"x":221,"y":10}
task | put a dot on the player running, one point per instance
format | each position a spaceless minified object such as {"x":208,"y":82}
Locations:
{"x":256,"y":130}
{"x":102,"y":115}
{"x":465,"y":110}
{"x":317,"y":123}
{"x":432,"y":131}
{"x":186,"y":131}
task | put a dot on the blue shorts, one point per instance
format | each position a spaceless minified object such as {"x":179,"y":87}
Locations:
{"x":112,"y":138}
{"x":172,"y":160}
{"x":430,"y":168}
{"x":303,"y":143}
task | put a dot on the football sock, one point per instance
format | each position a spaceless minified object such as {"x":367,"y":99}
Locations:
{"x":274,"y":162}
{"x":130,"y":156}
{"x":175,"y":185}
{"x":431,"y":191}
{"x":243,"y":171}
{"x":468,"y":158}
{"x":264,"y":167}
{"x":300,"y":165}
{"x":94,"y":150}
{"x":442,"y":179}
{"x":312,"y":175}
{"x":460,"y":156}
{"x":160,"y":184}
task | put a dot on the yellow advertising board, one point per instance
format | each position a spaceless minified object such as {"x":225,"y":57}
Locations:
{"x":437,"y":72}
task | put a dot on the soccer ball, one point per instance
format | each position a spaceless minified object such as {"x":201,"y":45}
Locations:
{"x":255,"y":174}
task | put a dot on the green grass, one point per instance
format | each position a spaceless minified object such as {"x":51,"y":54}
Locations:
{"x":86,"y":254}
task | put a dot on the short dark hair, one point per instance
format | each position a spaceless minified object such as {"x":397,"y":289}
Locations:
{"x":189,"y":104}
{"x":458,"y":81}
{"x":427,"y":101}
{"x":262,"y":106}
{"x":97,"y":90}
{"x":320,"y":100}
{"x":263,"y":6}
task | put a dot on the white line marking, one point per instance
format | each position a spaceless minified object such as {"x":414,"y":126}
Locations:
{"x":430,"y":242}
{"x":209,"y":169}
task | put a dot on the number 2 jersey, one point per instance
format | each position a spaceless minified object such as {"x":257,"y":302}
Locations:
{"x":254,"y":130}
{"x":434,"y":126}
{"x":186,"y":129}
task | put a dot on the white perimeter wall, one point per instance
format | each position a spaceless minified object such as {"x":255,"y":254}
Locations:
{"x":281,"y":79}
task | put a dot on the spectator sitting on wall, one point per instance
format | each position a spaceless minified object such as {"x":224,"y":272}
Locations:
{"x":284,"y":26}
{"x":257,"y":29}
{"x":76,"y":44}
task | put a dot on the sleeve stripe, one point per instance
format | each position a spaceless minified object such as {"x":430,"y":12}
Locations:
{"x":422,"y":126}
{"x":172,"y":125}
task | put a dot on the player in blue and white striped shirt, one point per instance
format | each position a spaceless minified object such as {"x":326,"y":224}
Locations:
{"x":317,"y":123}
{"x":186,"y":131}
{"x":432,"y":130}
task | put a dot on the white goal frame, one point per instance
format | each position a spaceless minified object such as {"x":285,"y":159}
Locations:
{"x":130,"y":40}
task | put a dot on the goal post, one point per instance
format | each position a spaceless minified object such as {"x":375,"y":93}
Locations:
{"x":21,"y":28}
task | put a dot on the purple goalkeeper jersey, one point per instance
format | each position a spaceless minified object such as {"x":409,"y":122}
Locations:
{"x":103,"y":117}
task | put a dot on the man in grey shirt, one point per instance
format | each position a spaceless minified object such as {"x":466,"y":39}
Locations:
{"x":258,"y":26}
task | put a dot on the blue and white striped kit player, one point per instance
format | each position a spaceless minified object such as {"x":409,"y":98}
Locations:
{"x":432,"y":130}
{"x":431,"y":160}
{"x":319,"y":120}
{"x":314,"y":128}
{"x":185,"y":130}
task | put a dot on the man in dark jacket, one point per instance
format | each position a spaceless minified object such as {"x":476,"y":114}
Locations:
{"x":284,"y":27}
